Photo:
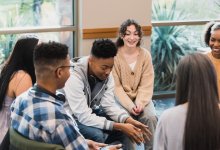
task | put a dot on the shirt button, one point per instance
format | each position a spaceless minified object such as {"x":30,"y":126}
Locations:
{"x":132,"y":73}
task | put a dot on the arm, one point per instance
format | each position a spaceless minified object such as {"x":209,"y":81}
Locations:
{"x":77,"y":104}
{"x":145,"y":89}
{"x":108,"y":102}
{"x":160,"y":142}
{"x":123,"y":98}
{"x":70,"y":137}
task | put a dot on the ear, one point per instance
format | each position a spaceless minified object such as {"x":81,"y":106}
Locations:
{"x":59,"y":73}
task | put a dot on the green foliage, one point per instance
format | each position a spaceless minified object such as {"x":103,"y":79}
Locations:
{"x":168,"y":45}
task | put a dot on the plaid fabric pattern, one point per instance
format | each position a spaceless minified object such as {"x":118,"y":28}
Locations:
{"x":39,"y":116}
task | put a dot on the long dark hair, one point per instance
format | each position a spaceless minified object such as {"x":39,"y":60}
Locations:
{"x":21,"y":58}
{"x":197,"y":85}
{"x":123,"y":29}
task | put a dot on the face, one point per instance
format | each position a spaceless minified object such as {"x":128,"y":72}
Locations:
{"x":63,"y":72}
{"x":101,"y":67}
{"x":214,"y":43}
{"x":131,"y":37}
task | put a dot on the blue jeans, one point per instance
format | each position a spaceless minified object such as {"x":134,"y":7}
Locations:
{"x":104,"y":136}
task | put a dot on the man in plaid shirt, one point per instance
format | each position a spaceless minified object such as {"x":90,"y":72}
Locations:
{"x":38,"y":113}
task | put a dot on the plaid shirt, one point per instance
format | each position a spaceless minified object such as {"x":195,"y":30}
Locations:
{"x":41,"y":117}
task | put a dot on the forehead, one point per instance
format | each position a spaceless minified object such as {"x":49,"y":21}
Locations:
{"x":215,"y":32}
{"x":131,"y":28}
{"x":104,"y":61}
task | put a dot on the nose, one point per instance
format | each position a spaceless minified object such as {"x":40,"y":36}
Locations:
{"x":107,"y":72}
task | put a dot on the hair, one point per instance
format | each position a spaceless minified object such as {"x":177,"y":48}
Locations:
{"x":210,"y":27}
{"x":197,"y":85}
{"x":21,"y":58}
{"x":123,"y":29}
{"x":49,"y":54}
{"x":103,"y":48}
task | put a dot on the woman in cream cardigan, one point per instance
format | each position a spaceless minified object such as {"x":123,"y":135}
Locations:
{"x":134,"y":76}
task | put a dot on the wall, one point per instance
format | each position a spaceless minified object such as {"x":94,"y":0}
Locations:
{"x":95,"y":14}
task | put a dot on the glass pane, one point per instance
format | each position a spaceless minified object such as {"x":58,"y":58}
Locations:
{"x":168,"y":45}
{"x":7,"y":41}
{"x":23,"y":13}
{"x":185,"y":10}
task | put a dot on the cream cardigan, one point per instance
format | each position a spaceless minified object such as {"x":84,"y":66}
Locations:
{"x":133,"y":86}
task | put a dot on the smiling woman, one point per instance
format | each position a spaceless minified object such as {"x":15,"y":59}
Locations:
{"x":212,"y":39}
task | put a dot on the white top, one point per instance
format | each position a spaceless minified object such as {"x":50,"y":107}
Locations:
{"x":132,"y":65}
{"x":170,"y":129}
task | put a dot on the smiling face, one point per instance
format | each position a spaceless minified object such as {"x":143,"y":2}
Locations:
{"x":214,"y":43}
{"x":101,"y":67}
{"x":131,"y":37}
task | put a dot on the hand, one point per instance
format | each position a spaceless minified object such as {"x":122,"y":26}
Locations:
{"x":114,"y":147}
{"x":137,"y":109}
{"x":95,"y":145}
{"x":134,"y":133}
{"x":144,"y":129}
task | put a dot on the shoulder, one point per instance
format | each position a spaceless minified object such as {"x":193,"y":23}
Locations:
{"x":173,"y":114}
{"x":146,"y":52}
{"x":21,"y":75}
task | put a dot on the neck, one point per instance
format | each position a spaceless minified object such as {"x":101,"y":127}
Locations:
{"x":47,"y":86}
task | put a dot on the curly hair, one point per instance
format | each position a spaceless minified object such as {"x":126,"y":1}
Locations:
{"x":123,"y":29}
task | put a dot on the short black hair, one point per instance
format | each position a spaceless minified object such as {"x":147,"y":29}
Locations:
{"x":103,"y":48}
{"x":49,"y":53}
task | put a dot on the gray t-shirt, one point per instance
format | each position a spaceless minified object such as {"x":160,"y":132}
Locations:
{"x":170,"y":129}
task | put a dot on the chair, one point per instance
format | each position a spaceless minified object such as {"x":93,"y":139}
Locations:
{"x":19,"y":142}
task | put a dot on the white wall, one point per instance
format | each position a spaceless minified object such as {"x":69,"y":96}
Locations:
{"x":111,"y":13}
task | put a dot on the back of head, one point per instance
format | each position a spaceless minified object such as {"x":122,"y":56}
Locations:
{"x":210,"y":27}
{"x":103,"y":48}
{"x":197,"y":85}
{"x":21,"y":58}
{"x":48,"y":56}
{"x":123,"y":29}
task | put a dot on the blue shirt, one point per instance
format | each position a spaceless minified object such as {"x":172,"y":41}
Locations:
{"x":41,"y":117}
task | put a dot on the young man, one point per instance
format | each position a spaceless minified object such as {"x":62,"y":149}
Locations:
{"x":38,"y":114}
{"x":90,"y":99}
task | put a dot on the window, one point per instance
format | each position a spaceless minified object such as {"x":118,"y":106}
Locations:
{"x":48,"y":19}
{"x":177,"y":31}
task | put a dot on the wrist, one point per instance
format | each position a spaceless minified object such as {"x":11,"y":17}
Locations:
{"x":129,"y":120}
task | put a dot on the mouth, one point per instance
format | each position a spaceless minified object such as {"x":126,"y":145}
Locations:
{"x":216,"y":50}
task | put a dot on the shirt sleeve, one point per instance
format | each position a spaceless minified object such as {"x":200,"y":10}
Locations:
{"x":145,"y":89}
{"x":121,"y":95}
{"x":69,"y":137}
{"x":160,"y":141}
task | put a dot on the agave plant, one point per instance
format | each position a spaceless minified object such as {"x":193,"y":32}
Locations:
{"x":168,"y":44}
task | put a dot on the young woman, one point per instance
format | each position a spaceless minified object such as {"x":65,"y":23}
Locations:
{"x":194,"y":123}
{"x":134,"y":76}
{"x":212,"y":39}
{"x":17,"y":75}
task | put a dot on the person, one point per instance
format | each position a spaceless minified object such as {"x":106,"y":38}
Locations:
{"x":194,"y":123}
{"x":134,"y":76}
{"x":38,"y":114}
{"x":90,"y":99}
{"x":17,"y":75}
{"x":212,"y":39}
